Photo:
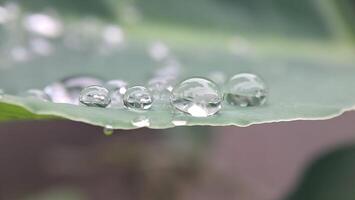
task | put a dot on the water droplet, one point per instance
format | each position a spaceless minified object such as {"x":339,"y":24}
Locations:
{"x":117,"y":89}
{"x":35,"y":93}
{"x":138,"y":98}
{"x":41,"y":46}
{"x":68,"y":89}
{"x":246,"y":90}
{"x":179,"y":122}
{"x":198,"y":97}
{"x":108,"y":130}
{"x":95,"y":96}
{"x":140,"y":122}
{"x":44,"y":25}
{"x":158,"y":51}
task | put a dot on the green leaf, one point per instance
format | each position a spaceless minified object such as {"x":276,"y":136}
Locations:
{"x":309,"y":77}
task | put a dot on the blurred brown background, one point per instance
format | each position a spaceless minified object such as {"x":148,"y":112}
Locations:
{"x":68,"y":160}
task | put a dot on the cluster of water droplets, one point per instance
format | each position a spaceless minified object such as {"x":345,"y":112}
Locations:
{"x":32,"y":35}
{"x":196,"y":96}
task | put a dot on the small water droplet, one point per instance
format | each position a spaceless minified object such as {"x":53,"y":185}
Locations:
{"x":43,"y":25}
{"x":138,"y":98}
{"x":68,"y":89}
{"x":35,"y":93}
{"x":198,"y":97}
{"x":108,"y":130}
{"x":95,"y":96}
{"x":246,"y":90}
{"x":179,"y":122}
{"x":140,"y":122}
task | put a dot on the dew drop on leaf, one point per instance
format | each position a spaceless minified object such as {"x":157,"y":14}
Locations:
{"x":108,"y":130}
{"x":138,"y":98}
{"x":246,"y":90}
{"x":95,"y":96}
{"x":198,"y":97}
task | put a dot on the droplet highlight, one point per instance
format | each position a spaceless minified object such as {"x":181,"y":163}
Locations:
{"x":198,"y":97}
{"x":95,"y":96}
{"x":246,"y":90}
{"x":140,"y":122}
{"x":138,"y":98}
{"x":179,"y":122}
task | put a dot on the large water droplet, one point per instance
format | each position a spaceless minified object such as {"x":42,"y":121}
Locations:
{"x":198,"y":97}
{"x":246,"y":90}
{"x":68,"y":89}
{"x":141,"y":121}
{"x":138,"y":98}
{"x":95,"y":96}
{"x":35,"y":93}
{"x":108,"y":130}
